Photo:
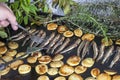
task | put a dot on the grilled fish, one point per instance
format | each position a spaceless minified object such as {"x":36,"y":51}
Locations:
{"x":101,"y":52}
{"x":46,"y":42}
{"x":80,"y":47}
{"x":85,"y":49}
{"x":65,"y":43}
{"x":108,"y":54}
{"x":74,"y":45}
{"x":57,"y":44}
{"x":116,"y":58}
{"x":95,"y":50}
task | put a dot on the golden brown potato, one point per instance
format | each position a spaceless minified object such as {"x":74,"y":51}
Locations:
{"x":78,"y":32}
{"x":90,"y":78}
{"x":62,"y":29}
{"x":52,"y":26}
{"x":13,"y":45}
{"x":68,"y":33}
{"x":58,"y":57}
{"x":52,"y":71}
{"x":88,"y":62}
{"x":5,"y":71}
{"x":7,"y":58}
{"x":56,"y":64}
{"x":31,"y":59}
{"x":11,"y":53}
{"x":73,"y":60}
{"x":110,"y":72}
{"x":95,"y":72}
{"x":43,"y":77}
{"x":60,"y":78}
{"x":116,"y":77}
{"x":103,"y":76}
{"x":45,"y":59}
{"x":80,"y":69}
{"x":20,"y":54}
{"x":41,"y":69}
{"x":107,"y":43}
{"x":117,"y":42}
{"x":66,"y":70}
{"x":88,"y":37}
{"x":2,"y":43}
{"x":24,"y":69}
{"x":3,"y":50}
{"x":75,"y":77}
{"x":36,"y":54}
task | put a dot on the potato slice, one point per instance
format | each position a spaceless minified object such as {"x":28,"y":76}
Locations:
{"x":58,"y":57}
{"x":13,"y":45}
{"x":3,"y":50}
{"x":60,"y":78}
{"x":52,"y":71}
{"x":88,"y":37}
{"x":110,"y":72}
{"x":68,"y":33}
{"x":78,"y":32}
{"x":43,"y":77}
{"x":62,"y":29}
{"x":75,"y":77}
{"x":52,"y":26}
{"x":24,"y":69}
{"x":88,"y":62}
{"x":104,"y":76}
{"x":80,"y":69}
{"x":95,"y":72}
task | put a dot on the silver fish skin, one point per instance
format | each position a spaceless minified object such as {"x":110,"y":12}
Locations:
{"x":108,"y":54}
{"x":74,"y":45}
{"x":65,"y":43}
{"x":85,"y":49}
{"x":57,"y":44}
{"x":95,"y":50}
{"x":28,"y":37}
{"x":47,"y":41}
{"x":52,"y":43}
{"x":80,"y":47}
{"x":19,"y":34}
{"x":101,"y":52}
{"x":116,"y":58}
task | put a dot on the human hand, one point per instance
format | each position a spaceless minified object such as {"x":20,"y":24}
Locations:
{"x":7,"y":17}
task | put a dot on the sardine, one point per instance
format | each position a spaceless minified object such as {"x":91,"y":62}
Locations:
{"x":74,"y":45}
{"x":46,"y":42}
{"x":81,"y":45}
{"x":85,"y":49}
{"x":65,"y":43}
{"x":28,"y":37}
{"x":101,"y":52}
{"x":116,"y":58}
{"x":95,"y":50}
{"x":108,"y":54}
{"x":57,"y":44}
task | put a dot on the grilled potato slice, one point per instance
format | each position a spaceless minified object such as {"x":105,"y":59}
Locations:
{"x":88,"y":62}
{"x":3,"y":50}
{"x":88,"y":37}
{"x":78,"y":32}
{"x":95,"y":72}
{"x":13,"y":45}
{"x":80,"y":69}
{"x":104,"y":76}
{"x":52,"y":71}
{"x":45,"y":59}
{"x":56,"y":64}
{"x":52,"y":26}
{"x":24,"y":69}
{"x":75,"y":77}
{"x":62,"y":29}
{"x":68,"y":33}
{"x":43,"y":77}
{"x":60,"y":78}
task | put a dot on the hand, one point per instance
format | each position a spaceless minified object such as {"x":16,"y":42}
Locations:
{"x":7,"y":17}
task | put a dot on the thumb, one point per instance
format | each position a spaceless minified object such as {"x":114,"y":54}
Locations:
{"x":12,"y":19}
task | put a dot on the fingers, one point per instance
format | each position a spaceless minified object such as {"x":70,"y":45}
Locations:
{"x":4,"y":23}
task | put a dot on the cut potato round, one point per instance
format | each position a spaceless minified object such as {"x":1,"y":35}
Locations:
{"x":95,"y":72}
{"x":36,"y":54}
{"x":11,"y":53}
{"x":3,"y":50}
{"x":7,"y":58}
{"x":56,"y":64}
{"x":110,"y":72}
{"x":24,"y":69}
{"x":62,"y":29}
{"x":88,"y":37}
{"x":21,"y":54}
{"x":117,"y":42}
{"x":13,"y":45}
{"x":52,"y":26}
{"x":90,"y":78}
{"x":16,"y":64}
{"x":80,"y":69}
{"x":68,"y":33}
{"x":103,"y":76}
{"x":41,"y":69}
{"x":52,"y":71}
{"x":43,"y":78}
{"x":45,"y":59}
{"x":5,"y":71}
{"x":88,"y":62}
{"x":66,"y":70}
{"x":31,"y":59}
{"x":75,"y":77}
{"x":78,"y":32}
{"x":73,"y":60}
{"x":58,"y":57}
{"x":2,"y":43}
{"x":116,"y":77}
{"x":60,"y":78}
{"x":107,"y":43}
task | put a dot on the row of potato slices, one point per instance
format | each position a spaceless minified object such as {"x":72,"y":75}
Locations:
{"x":62,"y":29}
{"x":71,"y":68}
